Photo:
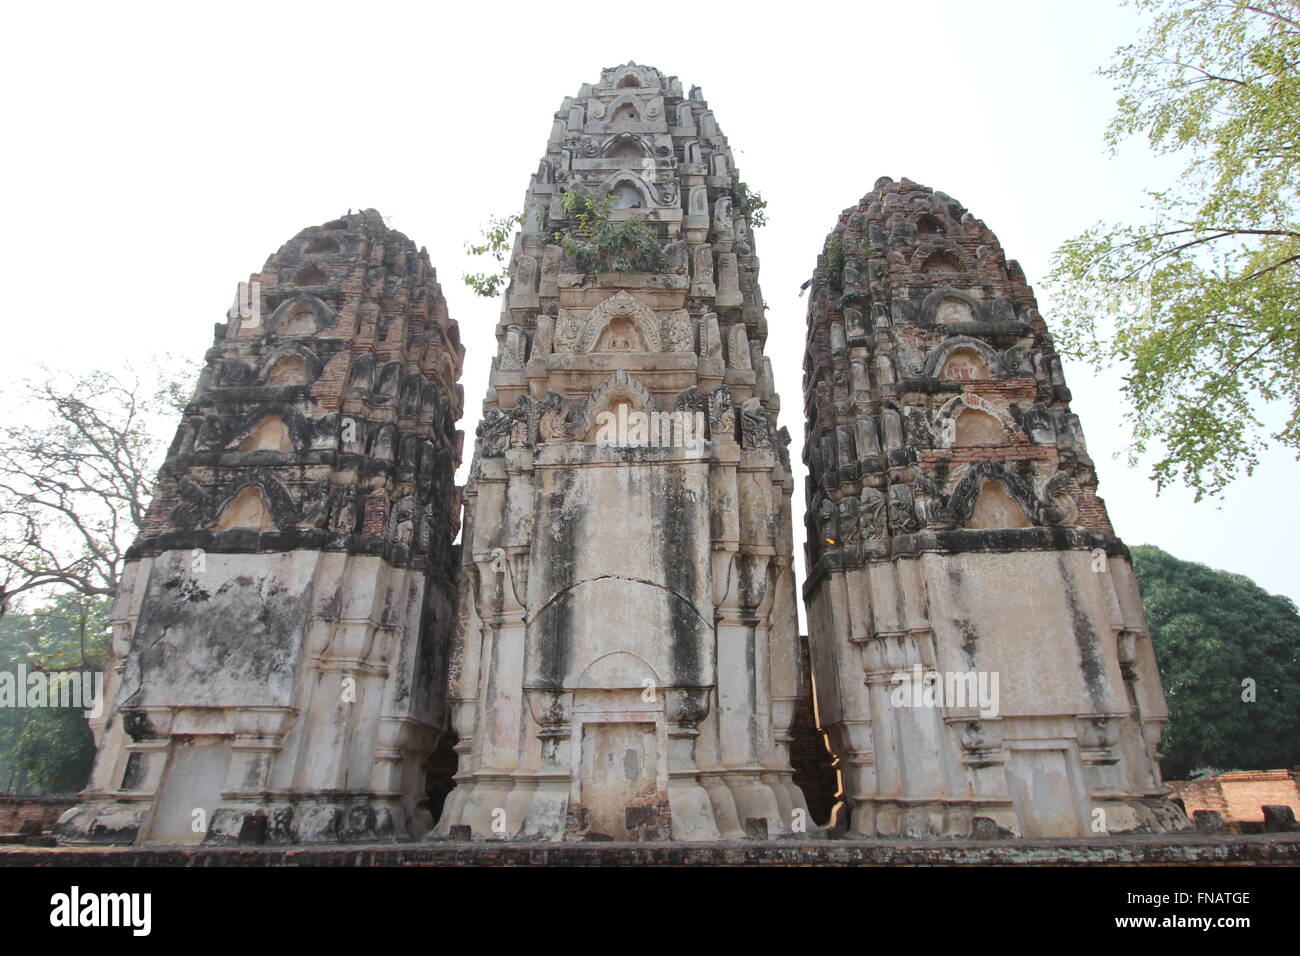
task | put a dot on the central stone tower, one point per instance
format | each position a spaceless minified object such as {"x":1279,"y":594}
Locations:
{"x":628,"y":657}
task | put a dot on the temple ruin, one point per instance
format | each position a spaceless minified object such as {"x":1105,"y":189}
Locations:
{"x":628,"y":662}
{"x":282,"y":623}
{"x":308,"y":648}
{"x":980,"y":650}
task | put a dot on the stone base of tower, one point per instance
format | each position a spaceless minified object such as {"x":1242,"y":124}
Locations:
{"x":697,"y":807}
{"x":967,"y":708}
{"x":352,"y":818}
{"x":932,"y":820}
{"x":263,"y":700}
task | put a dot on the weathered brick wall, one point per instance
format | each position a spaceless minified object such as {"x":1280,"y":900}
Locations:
{"x":31,"y":814}
{"x":1240,"y":795}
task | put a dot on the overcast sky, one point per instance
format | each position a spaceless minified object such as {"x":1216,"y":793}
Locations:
{"x":156,"y":155}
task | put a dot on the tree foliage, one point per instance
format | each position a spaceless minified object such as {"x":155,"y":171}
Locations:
{"x":598,"y":244}
{"x":76,"y":475}
{"x":1200,"y":303}
{"x":495,"y":242}
{"x":49,"y":750}
{"x":1211,"y":631}
{"x":750,"y":202}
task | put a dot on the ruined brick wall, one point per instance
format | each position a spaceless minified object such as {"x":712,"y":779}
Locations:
{"x":1240,"y":795}
{"x":31,"y":814}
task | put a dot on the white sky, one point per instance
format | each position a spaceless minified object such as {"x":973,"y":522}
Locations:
{"x":157,"y":154}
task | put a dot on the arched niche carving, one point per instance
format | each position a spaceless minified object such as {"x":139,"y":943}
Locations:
{"x":624,"y":110}
{"x":245,"y":509}
{"x":623,"y":305}
{"x":937,"y":359}
{"x":619,"y":388}
{"x":627,"y":188}
{"x":289,"y":364}
{"x":974,"y":428}
{"x":627,"y":146}
{"x":942,"y":261}
{"x":995,"y":508}
{"x":930,"y":225}
{"x":964,"y":365}
{"x":259,"y":501}
{"x":940,"y":257}
{"x":269,"y":433}
{"x":287,"y":370}
{"x":993,"y":483}
{"x":952,"y":310}
{"x":299,"y":316}
{"x":930,"y":306}
{"x":323,"y":245}
{"x":254,"y":430}
{"x":617,"y":670}
{"x":630,"y":76}
{"x":310,"y":275}
{"x":957,"y":407}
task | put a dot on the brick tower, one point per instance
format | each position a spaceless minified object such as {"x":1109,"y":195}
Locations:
{"x":281,"y":627}
{"x":982,"y":658}
{"x":628,"y":666}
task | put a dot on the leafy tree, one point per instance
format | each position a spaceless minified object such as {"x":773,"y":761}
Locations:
{"x":76,"y":476}
{"x":1201,"y":301}
{"x":49,"y":750}
{"x":495,"y":243}
{"x":1211,"y":631}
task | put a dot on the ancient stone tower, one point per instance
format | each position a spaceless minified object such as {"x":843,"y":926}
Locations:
{"x":628,"y":663}
{"x":978,"y":641}
{"x":280,"y":631}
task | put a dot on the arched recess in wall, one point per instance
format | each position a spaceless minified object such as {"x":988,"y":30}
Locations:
{"x":628,"y":146}
{"x":996,"y":427}
{"x":323,"y":245}
{"x":622,"y":306}
{"x":616,"y":670}
{"x":269,"y":433}
{"x":624,"y":111}
{"x":289,"y":364}
{"x":619,"y":389}
{"x":247,"y":509}
{"x":300,"y":315}
{"x":941,"y":256}
{"x":974,"y":428}
{"x":942,"y":261}
{"x":627,"y":190}
{"x":964,"y":365}
{"x":312,"y":275}
{"x":995,"y":508}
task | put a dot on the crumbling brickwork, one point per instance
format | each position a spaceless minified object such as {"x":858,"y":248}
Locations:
{"x":29,"y":815}
{"x":1241,"y":795}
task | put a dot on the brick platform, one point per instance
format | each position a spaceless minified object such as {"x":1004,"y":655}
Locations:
{"x":1160,"y":850}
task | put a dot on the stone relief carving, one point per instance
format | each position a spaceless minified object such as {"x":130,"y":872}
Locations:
{"x":722,"y":414}
{"x":755,"y":427}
